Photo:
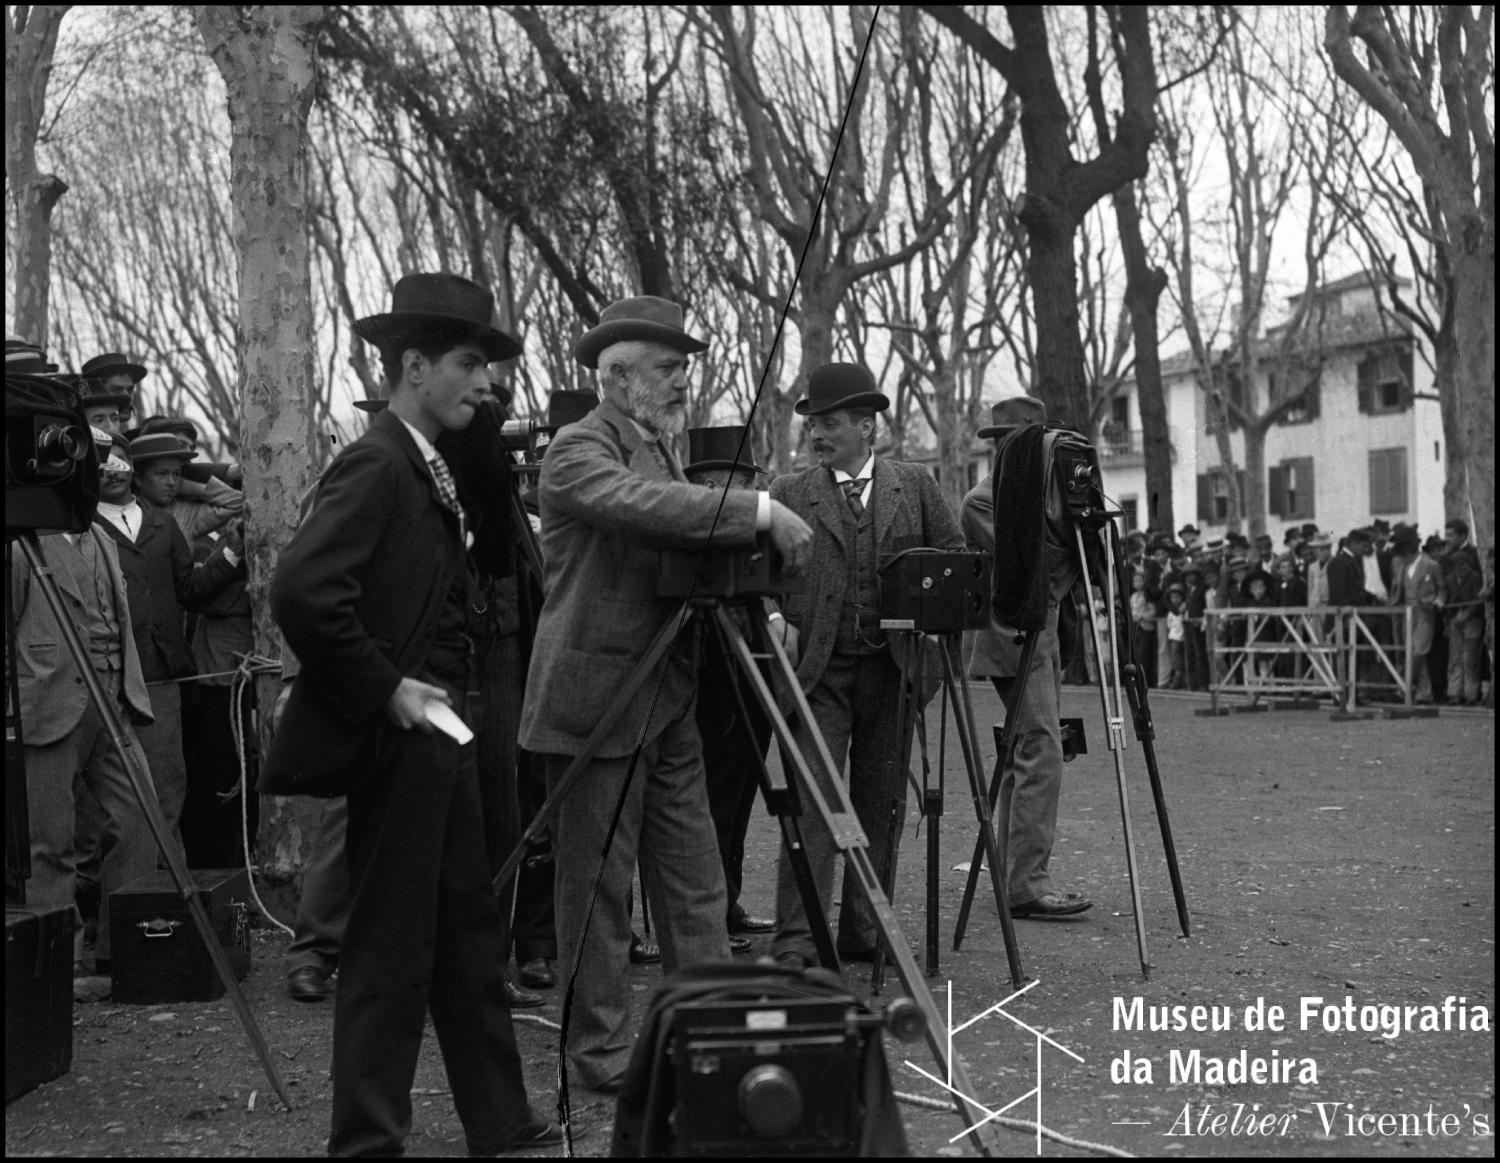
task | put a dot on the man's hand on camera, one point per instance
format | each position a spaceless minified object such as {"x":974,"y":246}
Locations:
{"x":791,"y":537}
{"x":407,"y":706}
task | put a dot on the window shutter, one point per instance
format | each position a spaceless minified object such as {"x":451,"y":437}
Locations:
{"x":1387,"y":480}
{"x":1206,"y":497}
{"x":1302,"y":470}
{"x":1366,"y":378}
{"x":1276,"y":501}
{"x":1406,"y":363}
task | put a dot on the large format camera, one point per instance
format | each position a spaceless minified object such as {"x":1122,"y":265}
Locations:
{"x":1077,"y":475}
{"x":51,"y":467}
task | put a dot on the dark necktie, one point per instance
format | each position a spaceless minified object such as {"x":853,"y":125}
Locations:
{"x":852,"y":490}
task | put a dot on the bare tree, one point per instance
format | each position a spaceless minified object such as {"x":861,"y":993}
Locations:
{"x":1418,"y":84}
{"x":1059,"y":187}
{"x":268,"y":57}
{"x":30,"y":43}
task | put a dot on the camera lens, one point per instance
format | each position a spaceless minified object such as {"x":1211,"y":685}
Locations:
{"x":58,"y":445}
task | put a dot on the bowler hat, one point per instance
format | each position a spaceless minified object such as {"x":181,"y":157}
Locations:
{"x":1320,"y":540}
{"x":1186,"y":529}
{"x":441,"y":298}
{"x":720,"y":448}
{"x":647,"y":317}
{"x":159,"y":446}
{"x":566,"y":406}
{"x":111,"y":363}
{"x":840,"y":385}
{"x":1380,"y":525}
{"x":1014,"y":412}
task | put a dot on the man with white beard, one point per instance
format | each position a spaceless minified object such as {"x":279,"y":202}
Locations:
{"x":611,"y":494}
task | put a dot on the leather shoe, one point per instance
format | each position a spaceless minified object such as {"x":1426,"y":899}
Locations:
{"x":538,"y":974}
{"x":518,"y":999}
{"x":745,"y":923}
{"x":739,"y":944}
{"x":308,"y":983}
{"x":1053,"y":904}
{"x":539,"y":1134}
{"x":643,"y":952}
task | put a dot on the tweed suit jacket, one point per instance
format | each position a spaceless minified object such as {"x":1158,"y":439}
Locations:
{"x":53,"y":697}
{"x":357,"y":592}
{"x":1424,"y":588}
{"x":607,"y":504}
{"x":909,"y":512}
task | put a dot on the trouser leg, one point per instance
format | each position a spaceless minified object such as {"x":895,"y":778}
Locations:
{"x":323,"y":907}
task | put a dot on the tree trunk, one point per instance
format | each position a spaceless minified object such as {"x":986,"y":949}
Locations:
{"x":268,"y":55}
{"x":1474,"y":329}
{"x":29,"y":47}
{"x":1052,"y":276}
{"x":1445,"y":384}
{"x":1255,"y":478}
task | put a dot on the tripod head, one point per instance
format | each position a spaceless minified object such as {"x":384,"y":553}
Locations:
{"x":749,"y":572}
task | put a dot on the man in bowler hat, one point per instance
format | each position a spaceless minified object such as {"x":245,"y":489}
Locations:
{"x":612,"y":493}
{"x":1031,"y":787}
{"x":373,"y":593}
{"x":864,"y":510}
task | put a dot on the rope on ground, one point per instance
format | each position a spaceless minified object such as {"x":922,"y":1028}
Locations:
{"x":939,"y":1104}
{"x":244,"y":676}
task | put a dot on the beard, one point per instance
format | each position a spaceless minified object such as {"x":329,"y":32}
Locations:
{"x":653,"y":410}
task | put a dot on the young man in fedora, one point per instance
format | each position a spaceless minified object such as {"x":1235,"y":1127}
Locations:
{"x":612,"y":493}
{"x":373,"y":595}
{"x":864,"y":510}
{"x":1031,"y":788}
{"x":734,"y":741}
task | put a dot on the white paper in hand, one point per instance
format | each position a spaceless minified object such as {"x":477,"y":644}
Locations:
{"x":445,"y":719}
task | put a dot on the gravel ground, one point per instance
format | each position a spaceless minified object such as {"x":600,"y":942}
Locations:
{"x":1341,"y":860}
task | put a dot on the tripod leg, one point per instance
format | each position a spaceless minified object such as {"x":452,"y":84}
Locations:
{"x":1115,"y":732}
{"x":145,"y":794}
{"x":839,"y":817}
{"x":1003,"y":763}
{"x":1145,"y":731}
{"x":963,"y":713}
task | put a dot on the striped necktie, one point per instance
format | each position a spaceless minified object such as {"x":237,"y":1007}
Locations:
{"x":852,"y":490}
{"x":443,"y":477}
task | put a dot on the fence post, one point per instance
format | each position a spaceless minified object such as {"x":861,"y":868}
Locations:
{"x":1408,"y":669}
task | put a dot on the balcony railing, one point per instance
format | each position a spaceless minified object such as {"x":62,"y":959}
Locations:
{"x":1120,"y":446}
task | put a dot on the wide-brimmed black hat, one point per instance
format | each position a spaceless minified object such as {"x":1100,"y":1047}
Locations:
{"x":441,"y":298}
{"x":1014,"y":412}
{"x":566,"y":406}
{"x":111,"y":363}
{"x":840,"y":385}
{"x":1186,"y":529}
{"x":712,"y":449}
{"x":645,"y":317}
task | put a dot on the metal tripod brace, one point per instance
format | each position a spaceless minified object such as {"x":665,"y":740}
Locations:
{"x":145,"y":794}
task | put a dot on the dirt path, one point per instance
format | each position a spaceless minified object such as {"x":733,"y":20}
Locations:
{"x":1321,"y":859}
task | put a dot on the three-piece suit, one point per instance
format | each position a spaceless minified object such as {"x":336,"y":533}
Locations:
{"x":609,"y":499}
{"x":850,"y":674}
{"x":373,"y":587}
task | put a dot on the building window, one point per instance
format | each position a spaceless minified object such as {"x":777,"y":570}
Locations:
{"x":1229,"y":382}
{"x":1213,"y":495}
{"x":1130,"y":506}
{"x":1305,"y":412}
{"x":1292,"y":489}
{"x":1385,"y":381}
{"x":1387,"y":481}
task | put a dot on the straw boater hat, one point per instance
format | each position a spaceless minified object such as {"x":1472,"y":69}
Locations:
{"x":711,"y":449}
{"x":159,"y":446}
{"x":840,"y":385}
{"x":440,"y":298}
{"x":644,"y":317}
{"x":1014,"y":412}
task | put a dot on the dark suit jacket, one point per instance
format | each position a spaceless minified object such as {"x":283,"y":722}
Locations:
{"x":357,"y":593}
{"x":908,"y":510}
{"x":161,"y":582}
{"x":608,"y":503}
{"x":1346,"y":581}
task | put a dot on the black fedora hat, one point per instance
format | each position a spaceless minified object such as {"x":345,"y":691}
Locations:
{"x":720,"y":448}
{"x":112,"y":363}
{"x":647,"y":317}
{"x":1015,"y":412}
{"x":566,"y":406}
{"x":840,"y":385}
{"x":441,"y":298}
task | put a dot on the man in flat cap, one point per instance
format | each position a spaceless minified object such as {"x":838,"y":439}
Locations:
{"x":864,"y":510}
{"x":612,"y":493}
{"x":374,"y":594}
{"x":1031,"y":787}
